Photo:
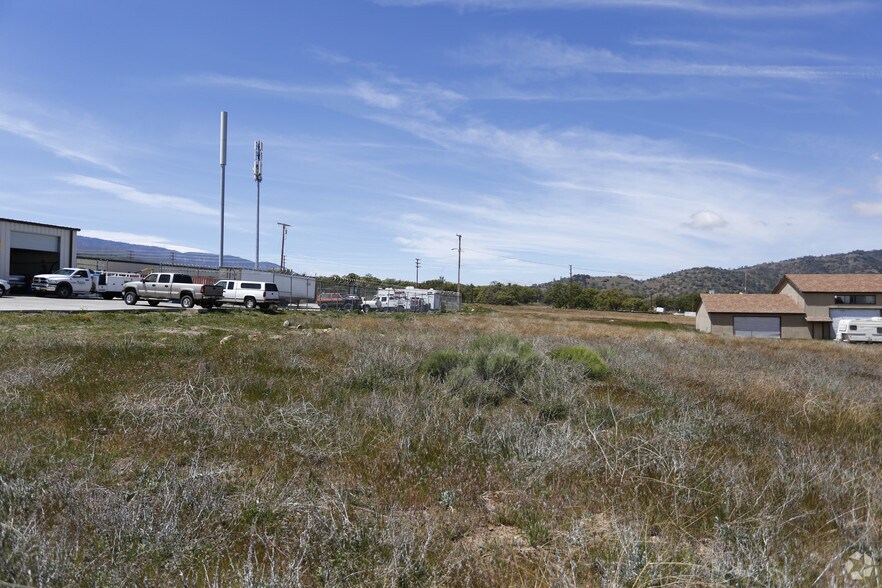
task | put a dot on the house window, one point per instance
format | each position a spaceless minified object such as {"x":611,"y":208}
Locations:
{"x":854,"y":299}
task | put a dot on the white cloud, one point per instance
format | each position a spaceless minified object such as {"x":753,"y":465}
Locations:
{"x":386,"y":92}
{"x":868,"y":208}
{"x":129,"y":194}
{"x":373,"y":96}
{"x":723,"y":8}
{"x":527,"y":52}
{"x":137,"y":239}
{"x":64,"y":146}
{"x":705,"y":219}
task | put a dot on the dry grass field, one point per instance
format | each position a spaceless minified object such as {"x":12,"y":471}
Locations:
{"x":470,"y":449}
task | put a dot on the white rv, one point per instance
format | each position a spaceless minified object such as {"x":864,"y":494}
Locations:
{"x":860,"y":330}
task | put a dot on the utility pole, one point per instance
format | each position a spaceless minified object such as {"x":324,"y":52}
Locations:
{"x":284,"y":231}
{"x":745,"y":281}
{"x":570,"y":305}
{"x":418,"y":272}
{"x":458,"y":260}
{"x":223,"y":164}
{"x":258,"y":177}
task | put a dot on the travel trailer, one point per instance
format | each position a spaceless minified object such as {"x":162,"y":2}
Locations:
{"x":860,"y":330}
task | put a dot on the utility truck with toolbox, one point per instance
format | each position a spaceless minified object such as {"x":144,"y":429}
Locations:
{"x":403,"y":299}
{"x":163,"y":287}
{"x":69,"y":281}
{"x":64,"y":283}
{"x":109,"y":285}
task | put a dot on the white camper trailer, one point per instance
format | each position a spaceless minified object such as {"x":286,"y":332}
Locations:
{"x":860,"y":330}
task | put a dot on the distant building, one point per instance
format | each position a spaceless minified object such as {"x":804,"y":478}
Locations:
{"x":28,"y":248}
{"x":801,"y":306}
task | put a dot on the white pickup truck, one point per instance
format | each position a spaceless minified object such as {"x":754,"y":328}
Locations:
{"x":64,"y":283}
{"x":74,"y":280}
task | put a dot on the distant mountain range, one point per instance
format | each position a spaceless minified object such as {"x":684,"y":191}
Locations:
{"x":756,"y":279}
{"x":105,"y":249}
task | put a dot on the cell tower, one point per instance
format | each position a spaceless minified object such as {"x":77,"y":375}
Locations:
{"x":258,"y":177}
{"x":223,"y":166}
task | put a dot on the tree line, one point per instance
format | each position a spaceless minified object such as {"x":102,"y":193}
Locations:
{"x":559,"y":294}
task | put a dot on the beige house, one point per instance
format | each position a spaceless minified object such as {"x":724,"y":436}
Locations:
{"x":801,"y":306}
{"x":751,"y":315}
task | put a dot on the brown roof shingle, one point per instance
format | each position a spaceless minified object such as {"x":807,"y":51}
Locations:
{"x":833,"y":283}
{"x":751,"y":303}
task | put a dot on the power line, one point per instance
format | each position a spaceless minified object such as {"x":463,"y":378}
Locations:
{"x":560,"y":265}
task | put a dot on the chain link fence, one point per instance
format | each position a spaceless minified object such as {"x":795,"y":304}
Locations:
{"x":294,"y":289}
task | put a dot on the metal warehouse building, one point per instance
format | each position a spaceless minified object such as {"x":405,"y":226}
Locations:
{"x":28,"y":248}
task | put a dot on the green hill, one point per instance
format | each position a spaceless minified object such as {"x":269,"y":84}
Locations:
{"x":760,"y":278}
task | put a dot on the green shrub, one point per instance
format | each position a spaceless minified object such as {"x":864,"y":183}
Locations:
{"x":441,"y":363}
{"x":492,"y":369}
{"x":553,"y":410}
{"x":588,"y":359}
{"x":502,"y":358}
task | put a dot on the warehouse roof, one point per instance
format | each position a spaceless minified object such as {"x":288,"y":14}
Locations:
{"x":833,"y":283}
{"x":24,"y":222}
{"x":750,"y":304}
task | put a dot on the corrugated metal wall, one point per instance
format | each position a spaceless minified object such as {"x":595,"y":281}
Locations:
{"x":67,"y":241}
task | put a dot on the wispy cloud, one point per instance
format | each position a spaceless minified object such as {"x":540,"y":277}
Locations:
{"x":63,"y":145}
{"x":868,"y":208}
{"x":383,"y":91}
{"x":722,"y":8}
{"x":526,"y":52}
{"x":572,"y":149}
{"x":593,"y":188}
{"x":130,"y":194}
{"x":741,"y":49}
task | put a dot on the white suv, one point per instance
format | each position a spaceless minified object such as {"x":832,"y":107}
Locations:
{"x":251,"y":294}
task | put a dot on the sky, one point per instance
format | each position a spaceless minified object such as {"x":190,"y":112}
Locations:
{"x":634,"y":137}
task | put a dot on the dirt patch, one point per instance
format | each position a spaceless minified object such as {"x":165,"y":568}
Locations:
{"x":488,"y":536}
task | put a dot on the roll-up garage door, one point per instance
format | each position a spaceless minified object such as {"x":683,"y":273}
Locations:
{"x":766,"y":327}
{"x":837,"y":314}
{"x":34,"y":241}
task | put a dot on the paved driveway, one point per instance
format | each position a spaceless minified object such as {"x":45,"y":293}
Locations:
{"x":21,"y":303}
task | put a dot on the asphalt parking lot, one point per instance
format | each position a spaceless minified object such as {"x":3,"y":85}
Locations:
{"x":30,"y":303}
{"x":27,"y":303}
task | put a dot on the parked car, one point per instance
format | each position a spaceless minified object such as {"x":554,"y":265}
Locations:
{"x":250,"y":294}
{"x":4,"y":287}
{"x":18,"y":282}
{"x":335,"y":300}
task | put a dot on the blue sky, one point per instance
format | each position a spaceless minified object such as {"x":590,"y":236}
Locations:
{"x":632,"y":137}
